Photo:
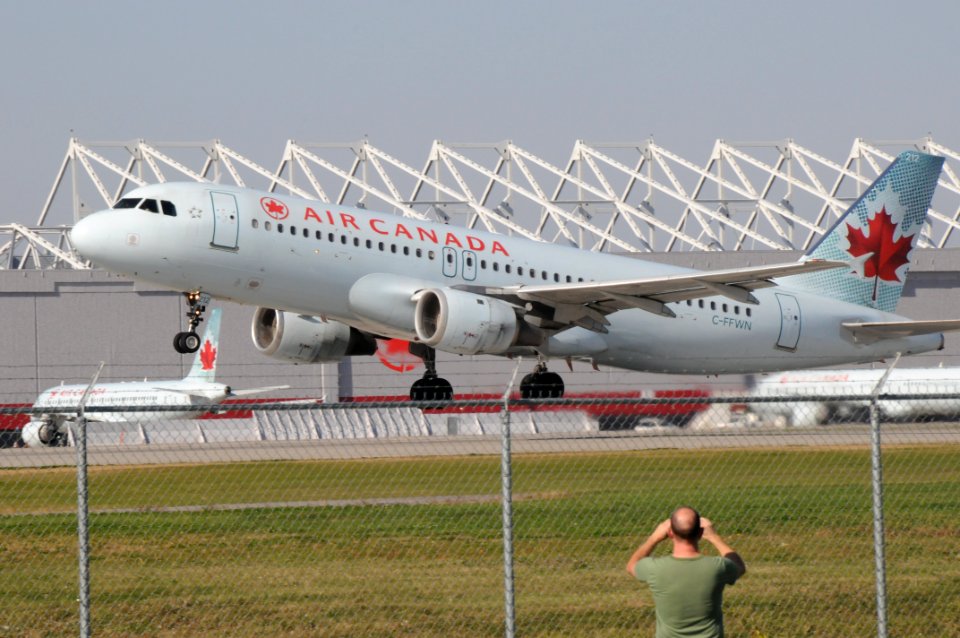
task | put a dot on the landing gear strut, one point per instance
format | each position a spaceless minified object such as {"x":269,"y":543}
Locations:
{"x":430,"y":387}
{"x":186,"y":342}
{"x":541,"y":384}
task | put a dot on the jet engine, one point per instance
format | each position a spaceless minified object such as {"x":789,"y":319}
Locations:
{"x":304,"y":339}
{"x":43,"y":433}
{"x":465,"y":323}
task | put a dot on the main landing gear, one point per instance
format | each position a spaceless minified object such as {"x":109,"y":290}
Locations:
{"x":541,"y":384}
{"x":429,"y":387}
{"x":187,"y":342}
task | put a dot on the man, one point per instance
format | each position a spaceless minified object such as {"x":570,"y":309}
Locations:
{"x":687,"y":586}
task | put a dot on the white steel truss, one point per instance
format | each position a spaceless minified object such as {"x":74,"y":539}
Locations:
{"x":619,"y":197}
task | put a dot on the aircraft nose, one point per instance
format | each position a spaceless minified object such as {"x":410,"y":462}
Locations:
{"x":88,"y":235}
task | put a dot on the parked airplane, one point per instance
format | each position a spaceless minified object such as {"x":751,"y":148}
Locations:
{"x":329,"y":279}
{"x":842,"y":384}
{"x":197,"y":388}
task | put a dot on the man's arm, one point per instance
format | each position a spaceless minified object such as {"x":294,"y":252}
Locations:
{"x":710,"y":535}
{"x":658,"y":536}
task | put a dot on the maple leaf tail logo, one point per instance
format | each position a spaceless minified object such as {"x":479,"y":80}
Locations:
{"x":208,"y":356}
{"x":882,"y":255}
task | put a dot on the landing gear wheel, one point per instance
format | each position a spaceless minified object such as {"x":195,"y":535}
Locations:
{"x":431,"y":389}
{"x":186,"y":342}
{"x":541,"y":385}
{"x":189,"y":341}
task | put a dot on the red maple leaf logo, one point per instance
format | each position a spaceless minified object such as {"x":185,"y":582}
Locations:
{"x":275,"y":208}
{"x":208,"y":356}
{"x":884,"y":255}
{"x":395,"y":354}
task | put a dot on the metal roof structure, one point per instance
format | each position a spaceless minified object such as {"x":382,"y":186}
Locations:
{"x":617,"y":197}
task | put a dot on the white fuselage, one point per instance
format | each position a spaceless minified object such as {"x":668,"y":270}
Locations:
{"x":846,"y":390}
{"x":361,"y":268}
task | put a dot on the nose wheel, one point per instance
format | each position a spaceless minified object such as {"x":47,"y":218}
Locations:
{"x":189,"y":341}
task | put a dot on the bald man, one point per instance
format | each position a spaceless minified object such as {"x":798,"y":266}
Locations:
{"x":687,"y":586}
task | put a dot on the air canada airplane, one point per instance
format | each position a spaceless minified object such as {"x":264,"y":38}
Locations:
{"x":329,"y":279}
{"x":197,"y":388}
{"x":861,"y":384}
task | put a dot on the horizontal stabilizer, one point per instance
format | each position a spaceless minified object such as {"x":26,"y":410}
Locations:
{"x":243,"y":393}
{"x":870,"y":332}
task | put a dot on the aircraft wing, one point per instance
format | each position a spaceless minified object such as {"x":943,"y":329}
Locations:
{"x":870,"y":332}
{"x":586,"y":304}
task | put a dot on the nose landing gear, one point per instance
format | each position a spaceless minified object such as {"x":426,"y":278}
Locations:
{"x":188,"y":342}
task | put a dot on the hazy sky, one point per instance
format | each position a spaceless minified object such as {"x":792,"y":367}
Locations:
{"x":542,"y":73}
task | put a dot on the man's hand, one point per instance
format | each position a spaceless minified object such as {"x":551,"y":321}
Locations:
{"x":662,"y":532}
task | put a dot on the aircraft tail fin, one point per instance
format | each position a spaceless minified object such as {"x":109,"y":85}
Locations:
{"x":205,"y":363}
{"x":876,"y":236}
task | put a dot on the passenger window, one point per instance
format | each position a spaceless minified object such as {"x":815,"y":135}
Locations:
{"x":483,"y":264}
{"x":369,"y":244}
{"x":506,"y":269}
{"x":150,"y":205}
{"x":569,"y":279}
{"x":127,"y":202}
{"x":279,"y":228}
{"x":306,"y":232}
{"x":469,"y":261}
{"x":255,"y":223}
{"x":725,"y":308}
{"x":293,"y":230}
{"x":519,"y":270}
{"x":406,"y":250}
{"x":700,"y":303}
{"x":356,"y":241}
{"x":543,"y":275}
{"x":318,"y":235}
{"x":450,"y":258}
{"x":380,"y":246}
{"x":393,"y":248}
{"x":713,"y":305}
{"x":749,"y":312}
{"x":496,"y":266}
{"x":736,"y":310}
{"x":419,"y":252}
{"x":168,"y":208}
{"x":266,"y":225}
{"x":431,"y":255}
{"x":343,"y":239}
{"x":556,"y":277}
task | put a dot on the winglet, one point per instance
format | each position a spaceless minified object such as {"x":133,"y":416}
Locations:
{"x":877,"y":235}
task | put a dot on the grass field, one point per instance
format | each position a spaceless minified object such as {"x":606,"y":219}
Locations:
{"x":373,"y":549}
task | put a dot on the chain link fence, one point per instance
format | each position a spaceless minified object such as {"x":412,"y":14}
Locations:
{"x":387,"y":518}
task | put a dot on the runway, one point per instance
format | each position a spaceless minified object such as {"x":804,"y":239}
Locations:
{"x":851,"y":435}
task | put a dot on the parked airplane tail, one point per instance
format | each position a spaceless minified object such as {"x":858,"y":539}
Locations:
{"x":877,"y":236}
{"x":205,"y":364}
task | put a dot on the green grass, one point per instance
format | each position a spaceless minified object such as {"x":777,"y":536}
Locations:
{"x":801,"y":518}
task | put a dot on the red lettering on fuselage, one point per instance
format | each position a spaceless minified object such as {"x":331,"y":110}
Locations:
{"x":382,"y":227}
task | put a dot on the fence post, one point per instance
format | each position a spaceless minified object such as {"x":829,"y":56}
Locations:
{"x":876,"y":464}
{"x":83,"y":534}
{"x":506,"y":481}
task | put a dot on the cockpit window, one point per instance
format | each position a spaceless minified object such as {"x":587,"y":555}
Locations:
{"x":127,"y":202}
{"x":168,"y":208}
{"x":150,"y":205}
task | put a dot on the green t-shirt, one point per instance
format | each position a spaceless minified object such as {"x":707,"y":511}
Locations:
{"x":688,"y":593}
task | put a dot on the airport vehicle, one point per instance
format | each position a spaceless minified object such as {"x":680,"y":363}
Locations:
{"x":846,"y":394}
{"x":140,"y":400}
{"x":329,"y":279}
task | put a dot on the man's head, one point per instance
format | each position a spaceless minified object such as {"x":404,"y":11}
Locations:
{"x":685,"y":524}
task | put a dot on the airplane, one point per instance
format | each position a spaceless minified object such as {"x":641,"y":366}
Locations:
{"x":50,"y":429}
{"x":856,"y":383}
{"x":329,"y":279}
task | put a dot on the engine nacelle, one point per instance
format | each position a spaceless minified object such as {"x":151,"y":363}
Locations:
{"x":465,"y":323}
{"x":303,"y":339}
{"x":43,"y":433}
